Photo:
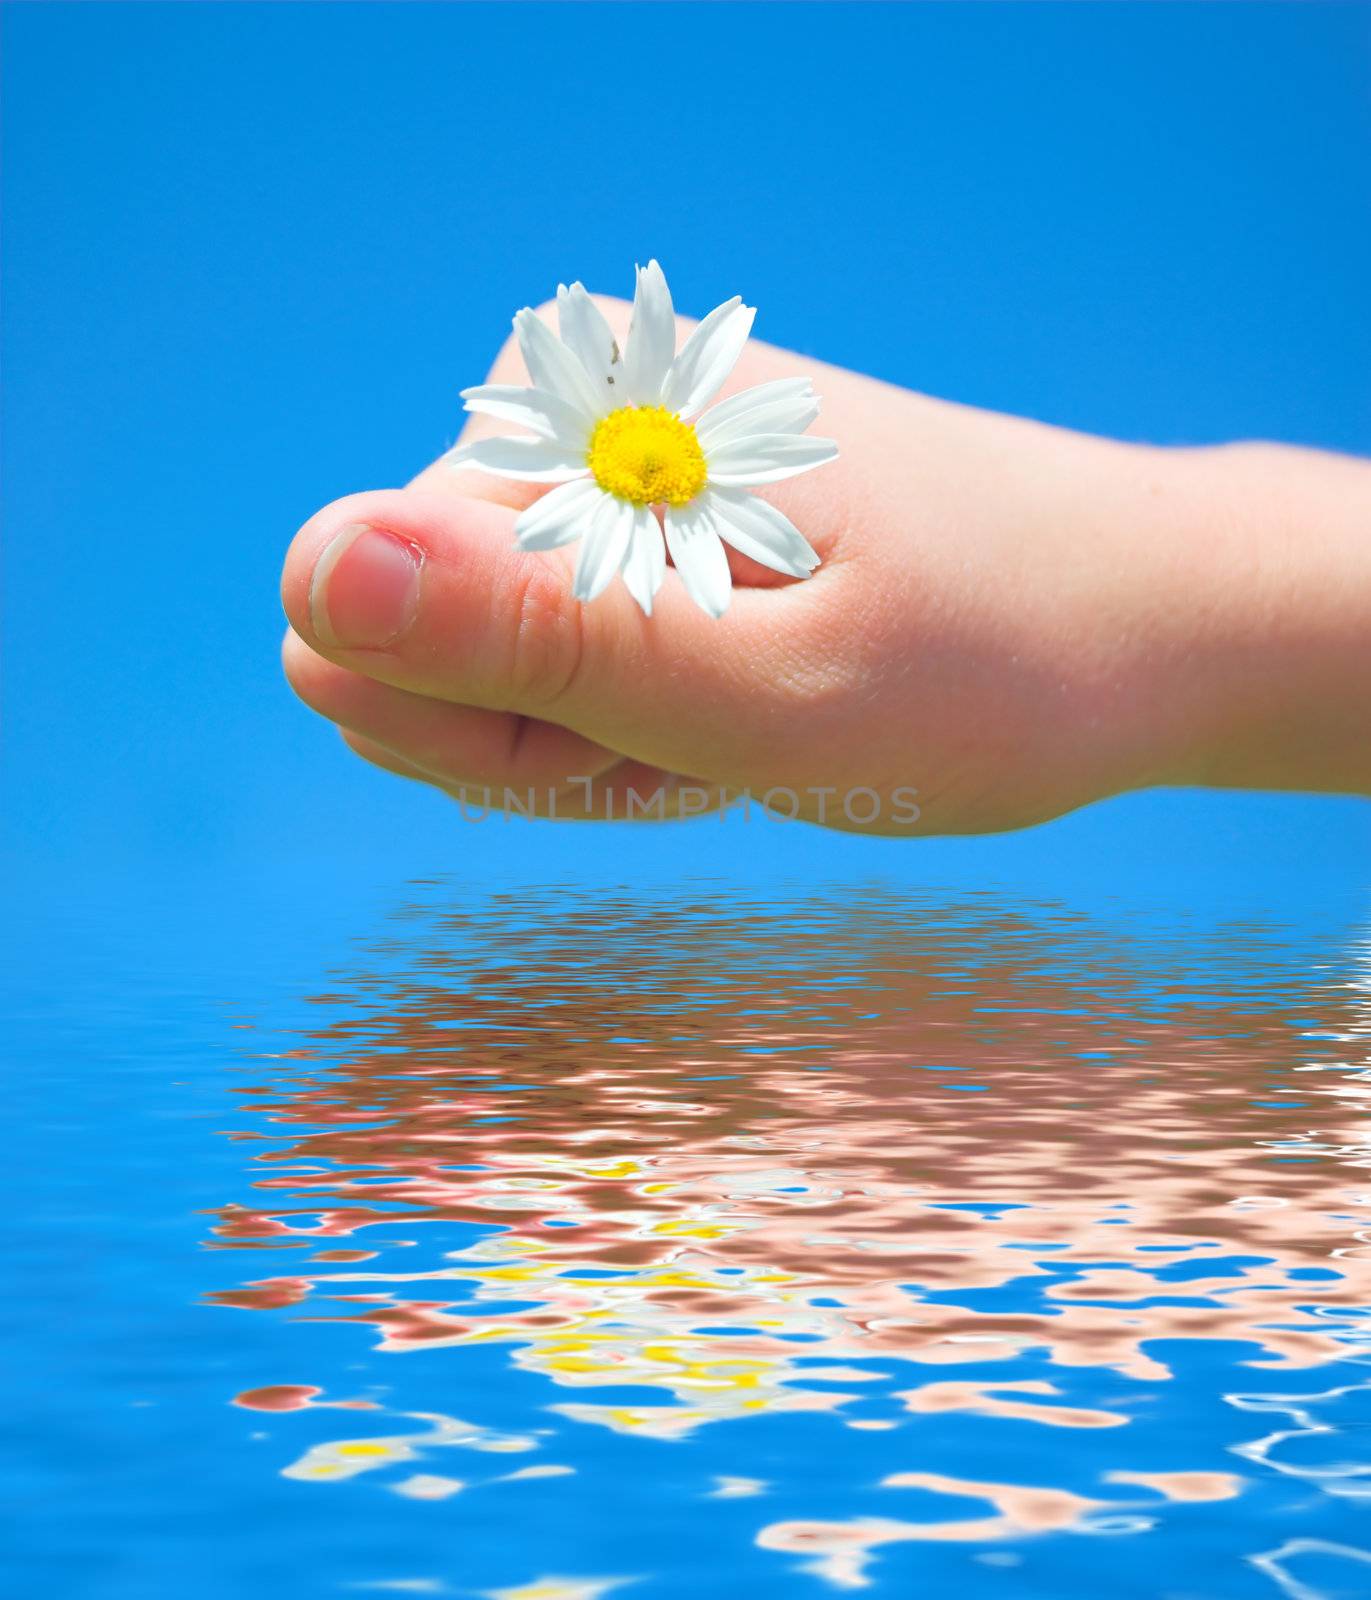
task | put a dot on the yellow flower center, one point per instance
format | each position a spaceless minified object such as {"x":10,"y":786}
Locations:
{"x":646,"y":454}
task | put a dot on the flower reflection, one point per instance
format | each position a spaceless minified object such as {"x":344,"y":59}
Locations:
{"x":345,"y":1458}
{"x":723,"y":1154}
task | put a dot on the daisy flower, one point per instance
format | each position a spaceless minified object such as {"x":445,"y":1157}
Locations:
{"x":621,"y":434}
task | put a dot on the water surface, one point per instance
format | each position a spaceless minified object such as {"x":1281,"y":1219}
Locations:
{"x":846,"y":1239}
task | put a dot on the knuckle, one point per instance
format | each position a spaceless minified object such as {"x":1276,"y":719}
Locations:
{"x":508,"y":365}
{"x":547,"y":639}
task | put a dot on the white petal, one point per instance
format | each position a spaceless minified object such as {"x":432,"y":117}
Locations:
{"x":530,"y":460}
{"x":543,"y":413}
{"x":645,"y":561}
{"x":603,"y":548}
{"x":767,"y":457}
{"x":760,"y":394}
{"x":586,"y":333}
{"x":552,"y":366}
{"x":559,"y":516}
{"x":651,"y":337}
{"x":699,"y":556}
{"x":707,"y":357}
{"x":759,"y":530}
{"x":789,"y":414}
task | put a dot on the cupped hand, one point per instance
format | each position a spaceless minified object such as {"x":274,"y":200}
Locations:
{"x":1006,"y":624}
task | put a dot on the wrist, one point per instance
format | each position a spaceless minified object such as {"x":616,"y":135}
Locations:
{"x":1267,"y":661}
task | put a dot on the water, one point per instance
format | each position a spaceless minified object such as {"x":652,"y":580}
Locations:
{"x":834,"y":1240}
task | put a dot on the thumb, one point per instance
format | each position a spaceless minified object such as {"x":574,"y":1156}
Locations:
{"x":427,"y":592}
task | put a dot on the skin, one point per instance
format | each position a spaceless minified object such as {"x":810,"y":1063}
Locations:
{"x":1012,"y":620}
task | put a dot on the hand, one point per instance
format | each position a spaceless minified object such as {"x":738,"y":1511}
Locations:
{"x":1009,"y":621}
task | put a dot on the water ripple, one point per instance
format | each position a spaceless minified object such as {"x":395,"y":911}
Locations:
{"x":950,"y":1186}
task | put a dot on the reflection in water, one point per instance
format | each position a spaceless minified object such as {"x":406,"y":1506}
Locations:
{"x":708,"y":1162}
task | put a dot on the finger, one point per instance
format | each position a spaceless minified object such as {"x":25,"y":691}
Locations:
{"x":428,"y":594}
{"x":630,"y":792}
{"x":457,"y":744}
{"x":377,"y":755}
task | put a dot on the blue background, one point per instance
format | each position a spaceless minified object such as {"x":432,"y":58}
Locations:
{"x":252,"y":254}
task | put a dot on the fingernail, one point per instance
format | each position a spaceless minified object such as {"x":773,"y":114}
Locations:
{"x":365,"y":589}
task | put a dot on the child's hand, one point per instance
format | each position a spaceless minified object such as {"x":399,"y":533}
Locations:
{"x":1010,"y":620}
